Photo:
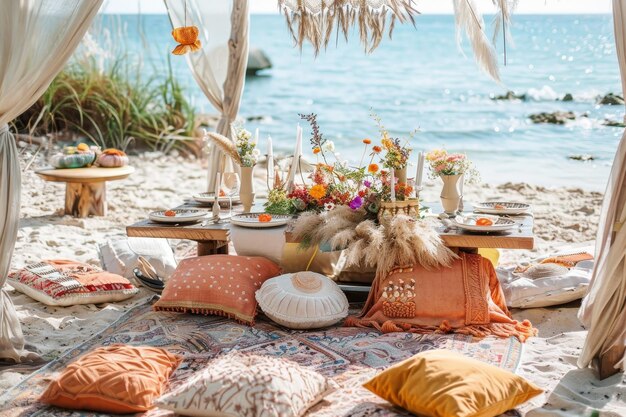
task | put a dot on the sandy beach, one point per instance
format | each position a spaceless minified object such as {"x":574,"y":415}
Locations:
{"x":563,"y":216}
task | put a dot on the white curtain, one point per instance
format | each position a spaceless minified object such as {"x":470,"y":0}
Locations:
{"x":36,"y":39}
{"x":603,"y":310}
{"x":219,"y":67}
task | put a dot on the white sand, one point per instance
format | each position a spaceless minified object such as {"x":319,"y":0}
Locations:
{"x":561,"y":216}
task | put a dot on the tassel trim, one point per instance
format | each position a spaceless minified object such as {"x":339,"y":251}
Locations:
{"x":206,"y":312}
{"x":521,"y":330}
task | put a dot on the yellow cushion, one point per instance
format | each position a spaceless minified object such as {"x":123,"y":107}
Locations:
{"x":492,"y":254}
{"x":442,"y":383}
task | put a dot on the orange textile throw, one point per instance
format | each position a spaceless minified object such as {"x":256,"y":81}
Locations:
{"x":187,"y":37}
{"x":465,"y":298}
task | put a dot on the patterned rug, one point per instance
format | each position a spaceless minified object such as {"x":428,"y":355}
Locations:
{"x":348,"y":355}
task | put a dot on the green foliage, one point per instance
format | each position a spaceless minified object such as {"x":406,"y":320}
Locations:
{"x":110,"y":103}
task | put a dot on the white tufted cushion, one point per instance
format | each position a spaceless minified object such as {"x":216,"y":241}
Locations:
{"x":302,"y":300}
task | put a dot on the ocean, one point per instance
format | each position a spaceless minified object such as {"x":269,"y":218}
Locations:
{"x":420,"y":80}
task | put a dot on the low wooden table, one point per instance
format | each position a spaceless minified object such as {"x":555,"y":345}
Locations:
{"x":85,"y":191}
{"x":214,"y":238}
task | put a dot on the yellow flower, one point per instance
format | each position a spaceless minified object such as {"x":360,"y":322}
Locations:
{"x":387,"y":143}
{"x":317,"y":191}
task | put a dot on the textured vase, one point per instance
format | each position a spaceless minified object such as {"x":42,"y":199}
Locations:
{"x":400,"y":174}
{"x":450,"y":195}
{"x":246,"y":192}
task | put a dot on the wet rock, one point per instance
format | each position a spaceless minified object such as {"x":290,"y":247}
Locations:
{"x":613,"y":123}
{"x":611,"y":100}
{"x":557,"y":117}
{"x":582,"y":158}
{"x":567,"y":97}
{"x":510,"y":95}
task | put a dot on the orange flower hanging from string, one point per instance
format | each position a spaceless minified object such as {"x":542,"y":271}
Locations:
{"x":187,"y":38}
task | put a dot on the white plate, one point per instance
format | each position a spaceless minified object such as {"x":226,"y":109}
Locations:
{"x":182,"y":216}
{"x":209,"y":198}
{"x":501,"y":207}
{"x":252,"y":220}
{"x":500,"y":224}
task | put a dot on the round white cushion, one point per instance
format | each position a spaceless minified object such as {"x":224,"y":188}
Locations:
{"x":302,"y":300}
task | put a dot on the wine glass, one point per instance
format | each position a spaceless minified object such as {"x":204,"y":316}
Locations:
{"x":231,"y":184}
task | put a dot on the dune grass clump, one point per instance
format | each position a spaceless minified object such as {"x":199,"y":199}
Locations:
{"x":112,"y":104}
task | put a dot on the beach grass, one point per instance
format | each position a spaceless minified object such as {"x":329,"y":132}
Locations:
{"x":107,"y":100}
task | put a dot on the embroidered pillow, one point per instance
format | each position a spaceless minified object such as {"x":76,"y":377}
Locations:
{"x":303,"y":300}
{"x":442,"y":383}
{"x":248,"y":385}
{"x":113,"y":379}
{"x":66,"y":283}
{"x":465,"y":298}
{"x":217,"y":284}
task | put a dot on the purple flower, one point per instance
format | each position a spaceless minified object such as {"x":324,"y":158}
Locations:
{"x":356,"y":203}
{"x":367,"y":184}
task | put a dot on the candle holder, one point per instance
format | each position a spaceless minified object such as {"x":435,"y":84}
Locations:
{"x":389,"y":209}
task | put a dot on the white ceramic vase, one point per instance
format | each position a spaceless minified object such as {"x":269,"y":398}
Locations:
{"x":246,"y":192}
{"x":450,"y":195}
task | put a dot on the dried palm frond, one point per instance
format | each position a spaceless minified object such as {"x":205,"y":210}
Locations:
{"x":502,"y":21}
{"x":225,"y":145}
{"x":314,"y":20}
{"x":470,"y":22}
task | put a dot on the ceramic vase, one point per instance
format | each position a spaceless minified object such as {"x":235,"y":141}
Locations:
{"x":450,"y":195}
{"x":246,"y":192}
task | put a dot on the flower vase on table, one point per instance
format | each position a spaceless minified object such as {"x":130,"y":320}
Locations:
{"x":246,"y":192}
{"x":450,"y":196}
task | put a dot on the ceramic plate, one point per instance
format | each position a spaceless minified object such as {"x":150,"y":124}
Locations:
{"x":182,"y":216}
{"x":252,"y":220}
{"x":209,"y":198}
{"x":500,"y":224}
{"x":501,"y":207}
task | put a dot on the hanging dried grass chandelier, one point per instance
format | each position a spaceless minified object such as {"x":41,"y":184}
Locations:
{"x":316,"y":20}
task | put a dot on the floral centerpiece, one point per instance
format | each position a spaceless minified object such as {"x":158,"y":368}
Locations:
{"x":334,"y":182}
{"x":453,"y":169}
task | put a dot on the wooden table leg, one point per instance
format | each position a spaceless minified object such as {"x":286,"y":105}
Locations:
{"x":83,"y":199}
{"x":212,"y":247}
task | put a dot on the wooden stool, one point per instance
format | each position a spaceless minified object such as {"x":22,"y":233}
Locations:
{"x":85,"y":191}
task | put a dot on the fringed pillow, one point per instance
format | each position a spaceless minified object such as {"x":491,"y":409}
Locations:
{"x":464,"y":298}
{"x":65,"y":283}
{"x":217,"y":284}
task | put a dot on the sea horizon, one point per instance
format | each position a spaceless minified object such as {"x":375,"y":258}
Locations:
{"x":411,"y":85}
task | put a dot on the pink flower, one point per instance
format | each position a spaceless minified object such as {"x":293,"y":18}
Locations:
{"x":440,"y":168}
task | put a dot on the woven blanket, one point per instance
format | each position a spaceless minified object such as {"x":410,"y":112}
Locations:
{"x":348,"y":355}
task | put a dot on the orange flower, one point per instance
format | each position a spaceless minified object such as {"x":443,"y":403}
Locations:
{"x":377,"y":149}
{"x":316,"y":150}
{"x":317,"y":191}
{"x":373,"y":168}
{"x":367,"y":141}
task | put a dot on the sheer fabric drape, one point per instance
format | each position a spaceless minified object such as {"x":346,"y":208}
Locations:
{"x":219,"y":67}
{"x":37,"y":38}
{"x":603,"y":310}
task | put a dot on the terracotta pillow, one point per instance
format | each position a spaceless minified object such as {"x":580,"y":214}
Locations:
{"x":113,"y":379}
{"x":65,"y":283}
{"x":442,"y":383}
{"x":217,"y":284}
{"x":465,"y":298}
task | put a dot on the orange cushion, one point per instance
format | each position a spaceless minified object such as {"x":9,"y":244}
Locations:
{"x":113,"y":379}
{"x":442,"y":383}
{"x":217,"y":284}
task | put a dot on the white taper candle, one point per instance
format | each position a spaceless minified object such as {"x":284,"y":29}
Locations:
{"x":392,"y":185}
{"x":270,"y":163}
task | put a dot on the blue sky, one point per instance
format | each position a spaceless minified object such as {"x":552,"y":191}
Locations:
{"x":424,"y":6}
